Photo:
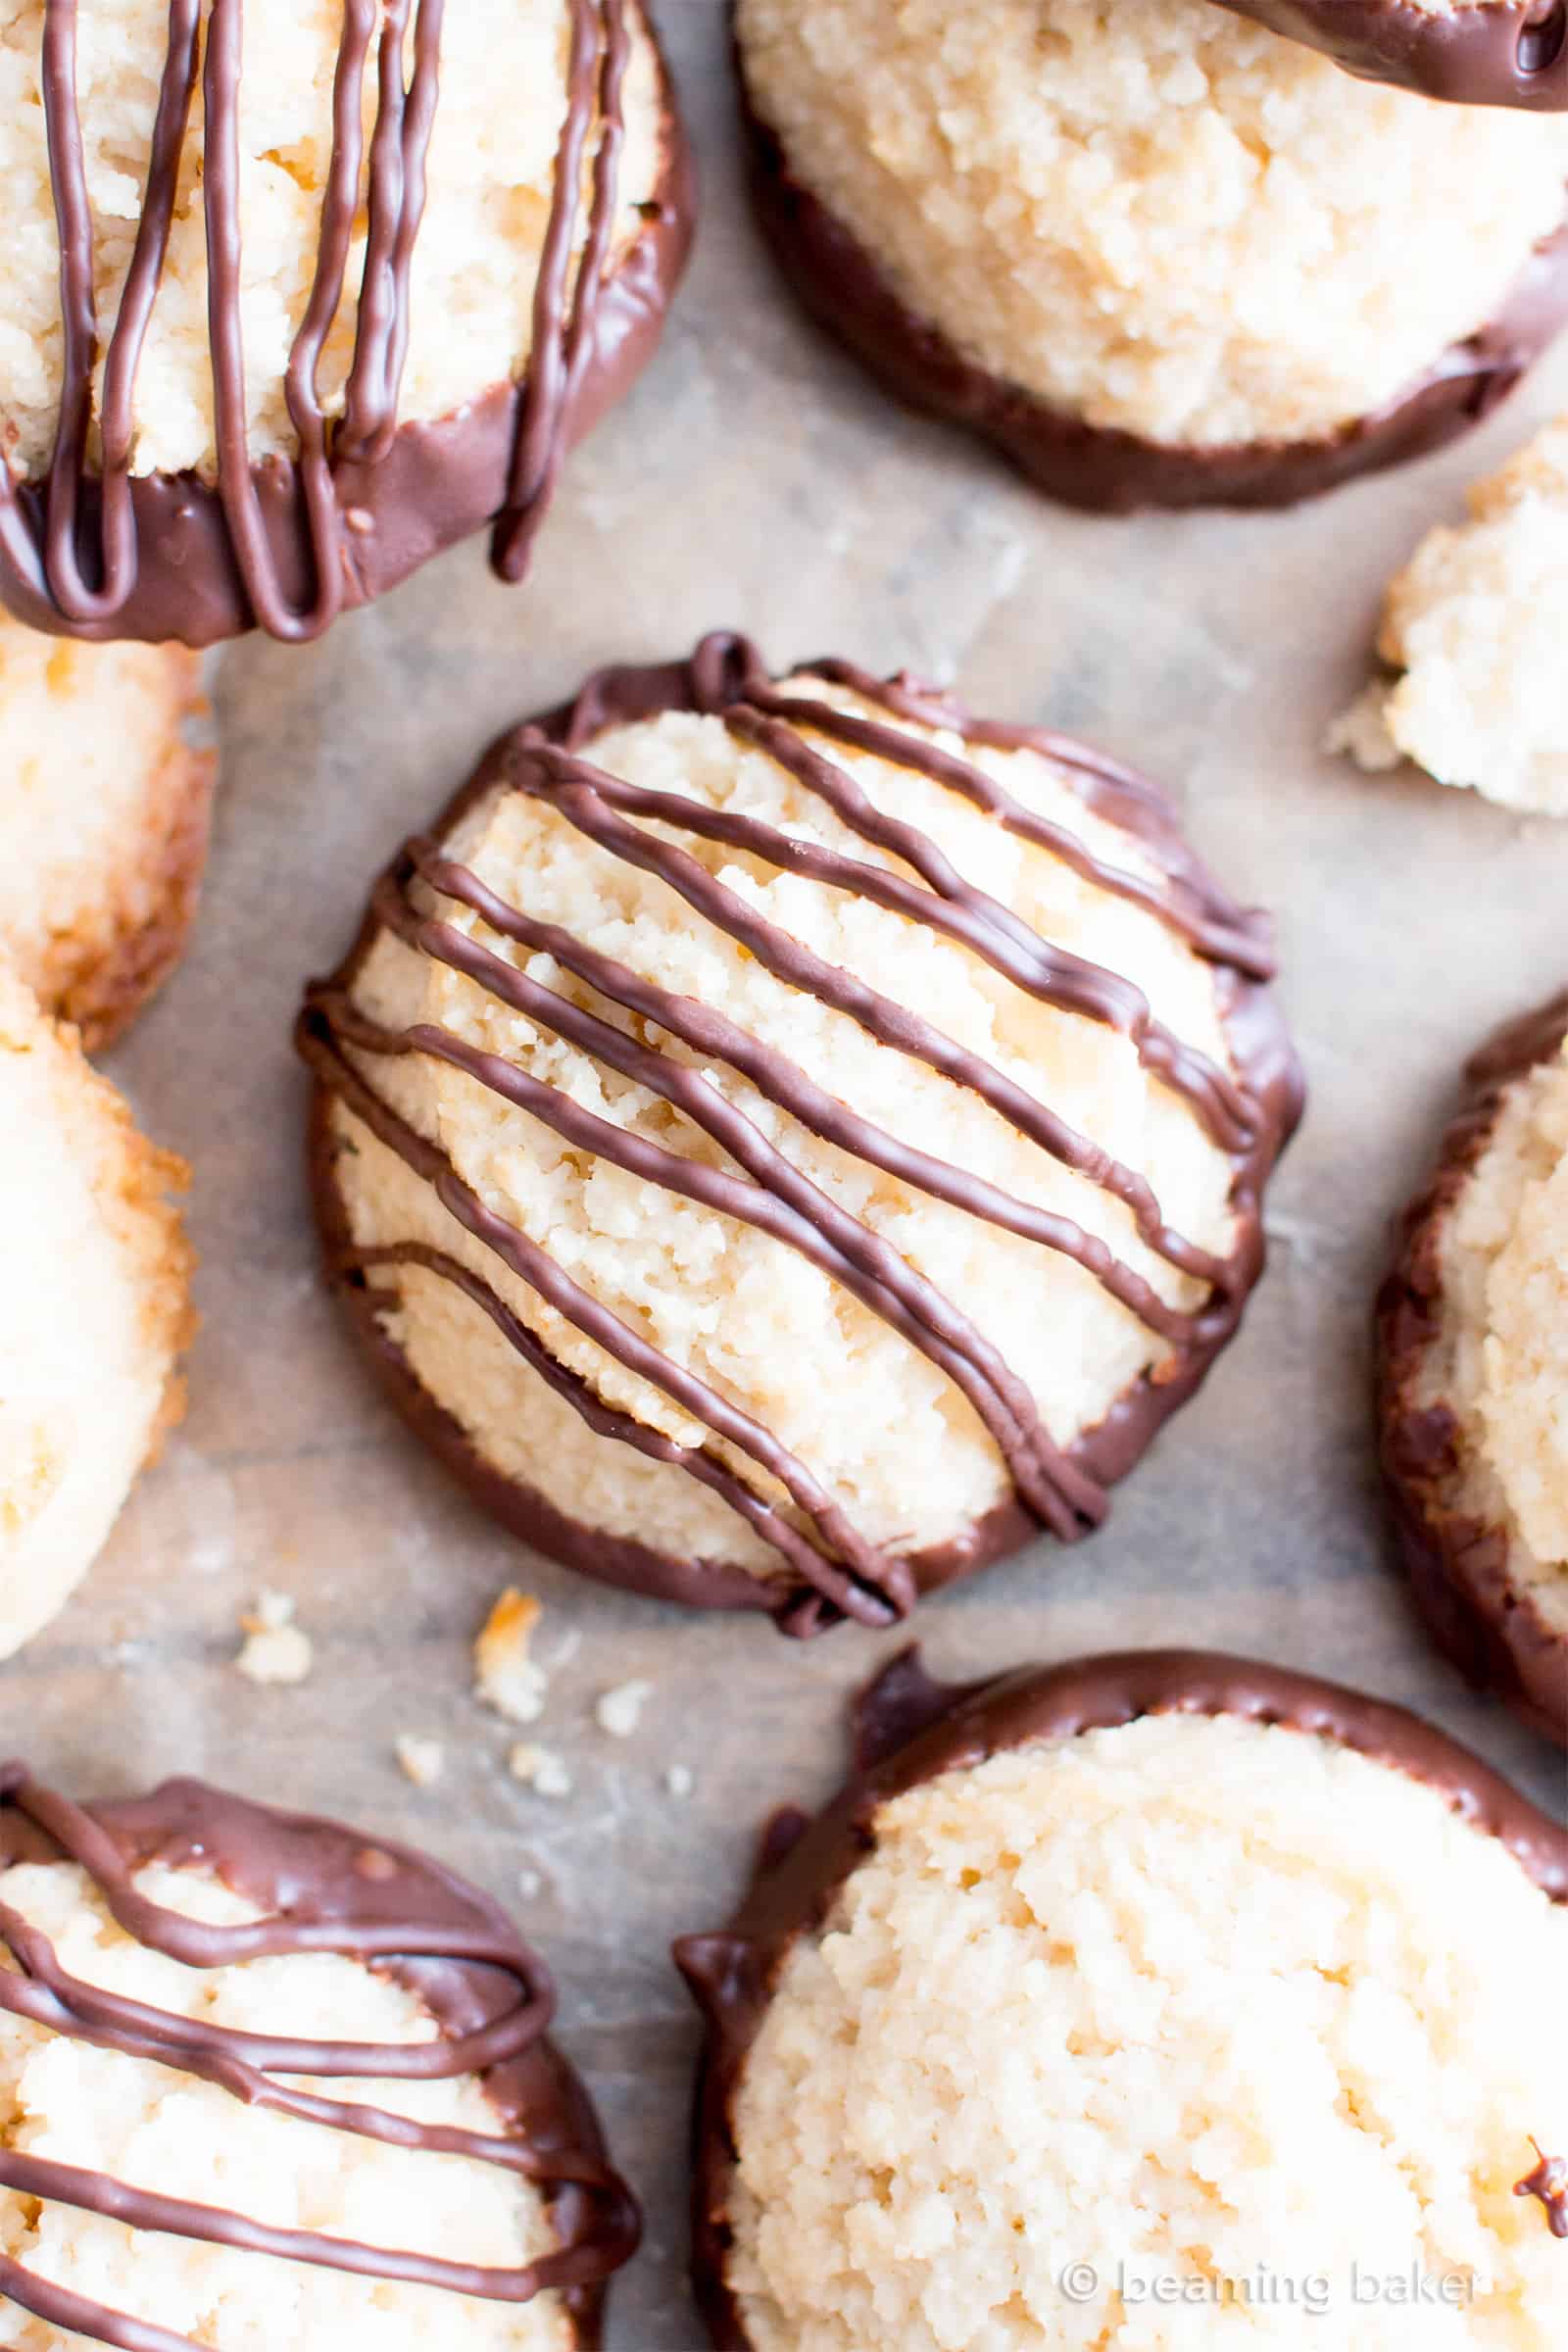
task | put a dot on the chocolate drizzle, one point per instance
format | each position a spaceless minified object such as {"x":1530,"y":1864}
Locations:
{"x":1550,"y":2183}
{"x":321,"y":1889}
{"x":286,"y":546}
{"x":1475,"y":53}
{"x":910,"y":1729}
{"x":829,"y":1569}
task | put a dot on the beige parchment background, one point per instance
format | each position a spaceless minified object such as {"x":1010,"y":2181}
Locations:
{"x":756,"y":479}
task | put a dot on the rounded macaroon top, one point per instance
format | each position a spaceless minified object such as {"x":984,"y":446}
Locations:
{"x":497,"y":82}
{"x":1149,"y":215}
{"x":103,"y":821}
{"x":1469,"y":626}
{"x":94,"y":1309}
{"x":1057,"y":2009}
{"x":262,"y":2077}
{"x":863,"y":1109}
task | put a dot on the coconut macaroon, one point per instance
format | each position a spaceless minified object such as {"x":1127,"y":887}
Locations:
{"x":104,"y":805}
{"x":1472,"y":690}
{"x":1150,"y":2000}
{"x":94,"y":1310}
{"x":1474,"y":52}
{"x":266,"y":2081}
{"x":1472,"y":1376}
{"x":338,"y":288}
{"x":1159,"y":255}
{"x":785,"y":1144}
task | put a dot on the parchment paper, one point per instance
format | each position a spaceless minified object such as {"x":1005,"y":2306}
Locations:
{"x":756,"y":479}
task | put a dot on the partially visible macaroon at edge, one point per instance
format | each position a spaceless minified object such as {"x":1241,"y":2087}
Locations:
{"x":1471,"y":683}
{"x":409,"y":462}
{"x":1499,"y":1613}
{"x":670,"y":1532}
{"x":95,"y":1310}
{"x":105,"y":811}
{"x":195,"y":1903}
{"x":1104,"y":466}
{"x":799,"y":1933}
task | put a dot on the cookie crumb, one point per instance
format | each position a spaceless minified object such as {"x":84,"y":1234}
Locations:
{"x":276,"y":1648}
{"x":505,"y":1677}
{"x":529,"y":1885}
{"x":618,"y":1712}
{"x":540,"y":1769}
{"x":680,"y":1779}
{"x":423,"y":1761}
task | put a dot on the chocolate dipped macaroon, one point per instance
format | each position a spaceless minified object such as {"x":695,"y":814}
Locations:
{"x":1473,"y":52}
{"x":1146,"y":2000}
{"x":332,"y":287}
{"x":1157,"y":254}
{"x":1472,"y":1340}
{"x":265,"y":2080}
{"x":786,"y":1143}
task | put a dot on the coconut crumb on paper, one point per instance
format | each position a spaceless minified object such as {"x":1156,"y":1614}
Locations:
{"x":539,"y":1768}
{"x":504,"y":1676}
{"x":618,"y":1712}
{"x":276,"y":1649}
{"x":421,"y":1761}
{"x":680,"y":1780}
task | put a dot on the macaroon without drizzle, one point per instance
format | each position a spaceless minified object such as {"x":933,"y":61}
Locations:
{"x":333,"y":285}
{"x":1158,"y":2003}
{"x":264,"y":2080}
{"x":1157,"y":254}
{"x":104,"y":806}
{"x":1472,"y":643}
{"x":94,"y":1310}
{"x":1472,"y":1376}
{"x":786,"y":1143}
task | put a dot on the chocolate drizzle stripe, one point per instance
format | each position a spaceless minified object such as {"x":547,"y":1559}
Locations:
{"x":90,"y":588}
{"x":604,"y":1419}
{"x":779,"y":1082}
{"x":490,"y":1998}
{"x":777,"y":1198}
{"x":772,"y":1193}
{"x":1210,"y":932}
{"x":590,"y":801}
{"x":854,"y":1576}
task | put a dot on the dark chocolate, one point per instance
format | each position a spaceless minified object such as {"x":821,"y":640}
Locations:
{"x":1550,"y":2183}
{"x":833,"y":1571}
{"x":1475,"y":53}
{"x":732,"y":1973}
{"x":322,"y":1889}
{"x":1103,"y":469}
{"x":288,"y":544}
{"x":1460,"y":1568}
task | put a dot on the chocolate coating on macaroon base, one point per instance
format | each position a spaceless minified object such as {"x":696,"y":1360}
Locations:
{"x":1459,"y":1567}
{"x":1102,"y":469}
{"x":834,"y":1573}
{"x":320,"y":1887}
{"x":1473,"y":53}
{"x":91,"y":550}
{"x":910,"y":1729}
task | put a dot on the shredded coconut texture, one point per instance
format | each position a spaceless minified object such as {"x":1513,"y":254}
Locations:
{"x":94,"y":1309}
{"x":96,"y":784}
{"x":1186,"y":2000}
{"x":1501,"y":1361}
{"x":1150,"y":214}
{"x":884,"y":1430}
{"x":503,"y":100}
{"x":154,"y":2128}
{"x":1473,"y":625}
